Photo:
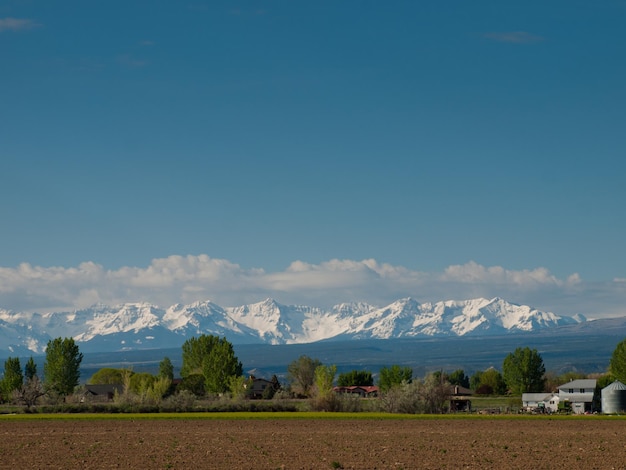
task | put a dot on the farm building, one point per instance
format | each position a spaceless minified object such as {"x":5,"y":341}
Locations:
{"x":614,"y":398}
{"x":364,"y":391}
{"x":541,"y":402}
{"x":579,"y":394}
{"x":460,"y":398}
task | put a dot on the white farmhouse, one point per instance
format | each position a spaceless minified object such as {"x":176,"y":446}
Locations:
{"x":579,"y":393}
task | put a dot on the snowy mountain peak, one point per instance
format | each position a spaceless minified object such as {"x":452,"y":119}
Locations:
{"x":142,"y":325}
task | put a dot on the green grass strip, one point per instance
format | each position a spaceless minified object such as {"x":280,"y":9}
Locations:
{"x":261,"y":415}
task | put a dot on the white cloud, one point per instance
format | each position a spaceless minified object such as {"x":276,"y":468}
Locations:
{"x":185,"y":279}
{"x":17,"y":24}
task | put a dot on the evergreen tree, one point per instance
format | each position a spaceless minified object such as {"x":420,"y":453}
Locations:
{"x":30,"y":369}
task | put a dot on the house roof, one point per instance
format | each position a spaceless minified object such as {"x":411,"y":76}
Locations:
{"x":354,"y":388}
{"x":103,"y":389}
{"x":541,"y":396}
{"x":258,"y":380}
{"x":459,"y":390}
{"x":579,"y":383}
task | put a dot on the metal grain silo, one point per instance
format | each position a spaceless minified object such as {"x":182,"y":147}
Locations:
{"x":614,"y":398}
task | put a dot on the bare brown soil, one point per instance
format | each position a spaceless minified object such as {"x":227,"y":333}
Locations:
{"x":314,"y":444}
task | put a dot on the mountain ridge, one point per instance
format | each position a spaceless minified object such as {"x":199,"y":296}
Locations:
{"x":142,"y":325}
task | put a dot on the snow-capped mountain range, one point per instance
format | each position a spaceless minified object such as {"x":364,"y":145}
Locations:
{"x":130,"y":326}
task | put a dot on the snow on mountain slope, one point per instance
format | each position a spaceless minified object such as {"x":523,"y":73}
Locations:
{"x":282,"y":324}
{"x":143,"y":325}
{"x":204,"y":318}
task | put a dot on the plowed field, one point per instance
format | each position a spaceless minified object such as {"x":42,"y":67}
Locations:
{"x":543,"y":443}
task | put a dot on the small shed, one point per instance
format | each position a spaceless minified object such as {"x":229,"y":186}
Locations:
{"x":460,"y":398}
{"x":614,"y":398}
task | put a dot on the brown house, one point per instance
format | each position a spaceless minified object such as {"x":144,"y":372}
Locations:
{"x":364,"y":391}
{"x":258,"y":387}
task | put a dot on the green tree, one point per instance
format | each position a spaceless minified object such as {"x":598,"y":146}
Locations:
{"x":195,"y":351}
{"x":193,"y":383}
{"x":270,"y":391}
{"x":108,"y":375}
{"x":458,"y":377}
{"x":213,"y":358}
{"x":355,"y":377}
{"x":240,"y":387}
{"x":324,"y":378}
{"x":301,"y":375}
{"x":12,"y":379}
{"x":220,"y":366}
{"x":141,"y":383}
{"x":523,"y":371}
{"x":62,"y":367}
{"x":394,"y":375}
{"x":325,"y":397}
{"x":30,"y":369}
{"x":166,"y":368}
{"x":605,"y":380}
{"x":159,"y":389}
{"x":488,"y":382}
{"x":494,"y":379}
{"x":617,"y":366}
{"x":475,"y":379}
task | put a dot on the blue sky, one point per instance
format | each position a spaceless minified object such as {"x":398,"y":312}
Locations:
{"x":476,"y":147}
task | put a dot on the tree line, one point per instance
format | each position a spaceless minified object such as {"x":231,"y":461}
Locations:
{"x":210,"y":368}
{"x":61,"y":372}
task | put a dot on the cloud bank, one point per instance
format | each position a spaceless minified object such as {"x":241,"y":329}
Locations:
{"x":186,"y":279}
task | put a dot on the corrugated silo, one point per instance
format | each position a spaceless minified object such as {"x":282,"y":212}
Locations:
{"x":614,"y":398}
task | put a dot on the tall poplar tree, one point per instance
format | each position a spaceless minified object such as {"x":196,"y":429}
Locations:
{"x":62,"y":367}
{"x":13,"y":377}
{"x":617,"y":366}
